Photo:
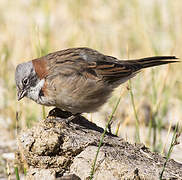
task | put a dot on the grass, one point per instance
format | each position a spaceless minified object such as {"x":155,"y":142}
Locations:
{"x":137,"y":123}
{"x":150,"y":28}
{"x":17,"y":173}
{"x":173,"y":143}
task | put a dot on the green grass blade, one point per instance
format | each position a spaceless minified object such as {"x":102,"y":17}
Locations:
{"x":102,"y":138}
{"x":173,"y":143}
{"x":17,"y":173}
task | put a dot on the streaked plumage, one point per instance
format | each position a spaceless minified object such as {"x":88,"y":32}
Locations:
{"x":79,"y":79}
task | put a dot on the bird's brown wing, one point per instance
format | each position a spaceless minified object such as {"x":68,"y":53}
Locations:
{"x":118,"y":71}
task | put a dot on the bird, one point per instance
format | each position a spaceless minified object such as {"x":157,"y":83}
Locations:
{"x":78,"y":80}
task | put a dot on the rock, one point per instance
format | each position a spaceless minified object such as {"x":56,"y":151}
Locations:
{"x":55,"y":149}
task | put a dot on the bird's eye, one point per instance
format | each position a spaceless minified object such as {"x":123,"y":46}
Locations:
{"x":25,"y":81}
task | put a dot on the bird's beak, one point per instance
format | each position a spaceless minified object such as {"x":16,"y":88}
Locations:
{"x":21,"y":94}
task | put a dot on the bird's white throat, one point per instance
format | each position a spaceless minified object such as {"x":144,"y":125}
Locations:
{"x":34,"y":92}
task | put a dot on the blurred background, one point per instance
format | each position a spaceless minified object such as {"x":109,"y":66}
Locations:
{"x":124,"y":29}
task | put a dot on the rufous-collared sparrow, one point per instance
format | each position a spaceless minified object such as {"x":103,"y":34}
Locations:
{"x":78,"y":80}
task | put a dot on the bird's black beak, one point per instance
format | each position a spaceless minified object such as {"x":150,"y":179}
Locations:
{"x":21,"y":94}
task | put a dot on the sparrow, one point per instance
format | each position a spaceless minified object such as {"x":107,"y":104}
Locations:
{"x":78,"y":80}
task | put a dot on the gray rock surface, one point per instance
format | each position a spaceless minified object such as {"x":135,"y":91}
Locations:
{"x":54,"y":149}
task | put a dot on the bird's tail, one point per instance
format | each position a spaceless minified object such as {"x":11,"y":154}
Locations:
{"x":127,"y":69}
{"x":156,"y":61}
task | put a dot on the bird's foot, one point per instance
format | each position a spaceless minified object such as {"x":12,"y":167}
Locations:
{"x":56,"y":112}
{"x":72,"y":117}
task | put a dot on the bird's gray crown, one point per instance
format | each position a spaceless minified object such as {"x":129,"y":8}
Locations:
{"x":23,"y":70}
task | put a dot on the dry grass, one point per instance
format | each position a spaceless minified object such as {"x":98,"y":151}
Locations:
{"x":29,"y":29}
